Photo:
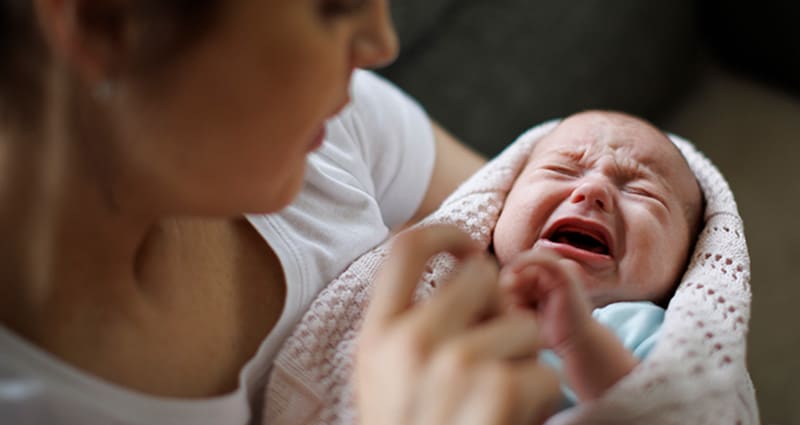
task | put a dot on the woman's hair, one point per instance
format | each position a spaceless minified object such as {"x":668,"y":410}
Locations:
{"x":168,"y":28}
{"x":22,"y":56}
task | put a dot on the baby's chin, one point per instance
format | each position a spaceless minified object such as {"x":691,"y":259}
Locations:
{"x":600,"y":302}
{"x":601,"y":295}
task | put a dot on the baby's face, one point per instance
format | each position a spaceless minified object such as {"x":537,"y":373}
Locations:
{"x":611,"y":193}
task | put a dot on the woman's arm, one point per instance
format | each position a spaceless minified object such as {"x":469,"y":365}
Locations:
{"x":453,"y":164}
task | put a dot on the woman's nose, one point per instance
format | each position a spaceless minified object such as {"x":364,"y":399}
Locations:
{"x":375,"y":43}
{"x":594,"y":193}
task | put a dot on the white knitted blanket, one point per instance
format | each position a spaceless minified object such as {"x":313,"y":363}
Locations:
{"x":696,"y":374}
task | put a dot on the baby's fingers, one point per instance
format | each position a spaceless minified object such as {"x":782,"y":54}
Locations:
{"x":541,"y":270}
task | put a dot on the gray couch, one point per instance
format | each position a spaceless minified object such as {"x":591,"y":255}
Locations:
{"x":488,"y":69}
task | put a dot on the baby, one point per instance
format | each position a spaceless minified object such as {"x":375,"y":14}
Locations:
{"x":593,"y":236}
{"x":605,"y":211}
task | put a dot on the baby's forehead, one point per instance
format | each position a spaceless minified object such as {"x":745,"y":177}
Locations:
{"x":588,"y":136}
{"x":635,"y":144}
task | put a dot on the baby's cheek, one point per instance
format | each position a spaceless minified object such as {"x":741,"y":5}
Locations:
{"x":504,"y":239}
{"x":514,"y":233}
{"x":660,"y":265}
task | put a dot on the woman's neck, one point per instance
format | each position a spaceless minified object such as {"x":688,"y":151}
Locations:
{"x":64,"y":241}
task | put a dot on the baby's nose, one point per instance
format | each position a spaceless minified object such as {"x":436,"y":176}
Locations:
{"x":595,"y":193}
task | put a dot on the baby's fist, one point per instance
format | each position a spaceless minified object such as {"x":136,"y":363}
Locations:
{"x":553,"y":287}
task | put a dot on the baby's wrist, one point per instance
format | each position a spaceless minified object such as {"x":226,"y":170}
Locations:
{"x":596,"y":360}
{"x":582,"y":337}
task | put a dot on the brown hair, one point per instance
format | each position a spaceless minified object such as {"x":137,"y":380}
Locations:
{"x":22,"y":58}
{"x":170,"y":27}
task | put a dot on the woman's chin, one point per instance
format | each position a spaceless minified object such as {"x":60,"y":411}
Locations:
{"x":279,"y":197}
{"x":318,"y":139}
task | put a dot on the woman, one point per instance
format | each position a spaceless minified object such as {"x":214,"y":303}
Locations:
{"x":135,"y":134}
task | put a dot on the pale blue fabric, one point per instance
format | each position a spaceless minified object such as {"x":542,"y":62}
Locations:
{"x":636,"y":324}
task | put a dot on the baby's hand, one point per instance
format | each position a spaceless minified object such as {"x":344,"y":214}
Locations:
{"x":594,"y":358}
{"x":553,"y":288}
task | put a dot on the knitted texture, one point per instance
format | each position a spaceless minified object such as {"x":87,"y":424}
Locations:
{"x":696,"y":373}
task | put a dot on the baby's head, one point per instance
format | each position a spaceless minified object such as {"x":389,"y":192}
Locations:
{"x":612,"y":193}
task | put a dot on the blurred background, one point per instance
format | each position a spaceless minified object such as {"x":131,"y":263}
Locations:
{"x":724,"y":74}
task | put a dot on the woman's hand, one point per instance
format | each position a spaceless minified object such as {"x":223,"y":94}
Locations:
{"x":594,"y":358}
{"x":451,"y":359}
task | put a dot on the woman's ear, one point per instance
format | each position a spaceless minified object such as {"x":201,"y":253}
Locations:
{"x":87,"y":36}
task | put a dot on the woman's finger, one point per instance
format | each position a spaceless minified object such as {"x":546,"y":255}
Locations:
{"x":460,"y":366}
{"x":397,"y":279}
{"x":511,"y":336}
{"x":470,"y":295}
{"x":540,"y":394}
{"x":525,"y":392}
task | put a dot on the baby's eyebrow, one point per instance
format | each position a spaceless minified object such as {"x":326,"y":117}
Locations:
{"x":575,"y":155}
{"x":637,"y":170}
{"x":626,"y":169}
{"x":630,"y":169}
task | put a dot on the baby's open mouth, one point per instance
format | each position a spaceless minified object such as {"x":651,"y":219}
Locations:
{"x":580,"y":234}
{"x":581,"y":240}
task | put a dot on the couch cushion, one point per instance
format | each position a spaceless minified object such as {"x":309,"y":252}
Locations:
{"x":415,"y":19}
{"x":760,"y":38}
{"x":492,"y":68}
